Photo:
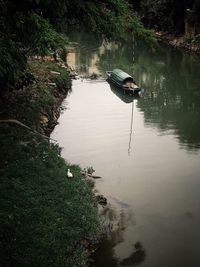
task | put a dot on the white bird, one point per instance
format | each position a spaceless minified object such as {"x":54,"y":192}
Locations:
{"x":69,"y":174}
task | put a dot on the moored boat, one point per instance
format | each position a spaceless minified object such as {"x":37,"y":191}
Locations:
{"x":123,"y":80}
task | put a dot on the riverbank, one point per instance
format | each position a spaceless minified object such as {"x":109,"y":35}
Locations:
{"x":179,"y":41}
{"x":46,"y":217}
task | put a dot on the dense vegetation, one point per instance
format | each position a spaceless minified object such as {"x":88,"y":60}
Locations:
{"x":34,"y":27}
{"x":30,"y":27}
{"x":169,"y":15}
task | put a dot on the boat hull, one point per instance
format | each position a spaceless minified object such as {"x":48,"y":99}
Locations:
{"x":134,"y":91}
{"x":127,"y":97}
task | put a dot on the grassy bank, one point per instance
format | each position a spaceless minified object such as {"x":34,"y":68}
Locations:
{"x":46,"y":218}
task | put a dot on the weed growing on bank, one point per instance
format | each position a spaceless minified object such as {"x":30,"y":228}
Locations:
{"x":38,"y":97}
{"x":194,"y":40}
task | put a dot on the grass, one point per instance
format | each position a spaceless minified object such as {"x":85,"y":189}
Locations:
{"x":45,"y":216}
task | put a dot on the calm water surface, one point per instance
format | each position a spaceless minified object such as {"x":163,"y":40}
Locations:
{"x":147,"y":151}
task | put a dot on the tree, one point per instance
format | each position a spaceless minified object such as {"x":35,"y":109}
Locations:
{"x":33,"y":27}
{"x":23,"y":33}
{"x":165,"y":15}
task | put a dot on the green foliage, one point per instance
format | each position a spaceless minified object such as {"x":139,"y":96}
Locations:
{"x":34,"y":28}
{"x":113,"y":18}
{"x":168,"y":15}
{"x":13,"y":62}
{"x":157,"y":13}
{"x":40,"y":38}
{"x":44,"y":215}
{"x":194,"y":40}
{"x":62,"y":81}
{"x":27,"y":33}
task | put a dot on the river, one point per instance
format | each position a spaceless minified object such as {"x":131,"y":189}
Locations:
{"x":147,"y":150}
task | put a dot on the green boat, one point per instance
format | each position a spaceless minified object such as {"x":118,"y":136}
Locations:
{"x":123,"y":80}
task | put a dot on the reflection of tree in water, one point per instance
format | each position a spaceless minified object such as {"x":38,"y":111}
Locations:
{"x":171,"y":81}
{"x":114,"y":224}
{"x":87,"y":48}
{"x":136,"y":257}
{"x":120,"y":58}
{"x":170,"y":78}
{"x":172,"y":97}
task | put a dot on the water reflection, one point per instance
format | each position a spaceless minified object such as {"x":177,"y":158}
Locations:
{"x":136,"y":257}
{"x":115,"y":223}
{"x":126,"y":98}
{"x":157,"y":186}
{"x":172,"y":97}
{"x":171,"y":80}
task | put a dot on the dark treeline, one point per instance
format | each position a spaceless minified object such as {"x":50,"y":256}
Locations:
{"x":179,"y":17}
{"x":36,"y":27}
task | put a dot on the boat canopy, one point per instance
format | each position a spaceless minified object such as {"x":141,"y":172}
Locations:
{"x":121,"y":76}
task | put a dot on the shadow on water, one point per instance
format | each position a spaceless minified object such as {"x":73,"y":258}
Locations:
{"x":171,"y":100}
{"x":126,"y":98}
{"x":114,"y":225}
{"x":136,"y":257}
{"x":106,"y":256}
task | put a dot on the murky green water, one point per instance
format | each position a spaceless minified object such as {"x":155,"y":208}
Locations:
{"x":147,"y":151}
